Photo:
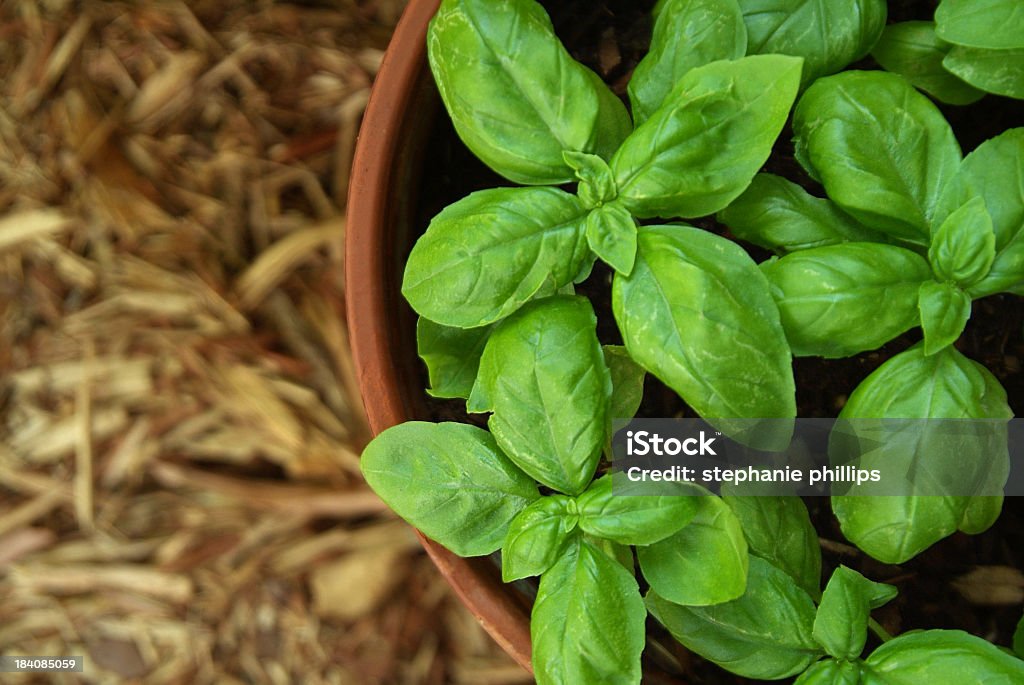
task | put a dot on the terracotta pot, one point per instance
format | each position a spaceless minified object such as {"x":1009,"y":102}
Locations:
{"x":381,"y":199}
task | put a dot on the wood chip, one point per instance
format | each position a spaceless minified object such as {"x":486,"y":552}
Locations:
{"x":24,"y":540}
{"x":355,"y":584}
{"x":180,"y":496}
{"x":166,"y":93}
{"x":74,"y":579}
{"x":276,"y":262}
{"x":992,"y":586}
{"x":306,"y":500}
{"x":17,"y":229}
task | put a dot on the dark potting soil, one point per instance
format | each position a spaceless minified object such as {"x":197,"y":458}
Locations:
{"x":611,"y":36}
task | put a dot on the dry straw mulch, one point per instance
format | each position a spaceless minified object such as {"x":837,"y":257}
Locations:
{"x":179,"y":491}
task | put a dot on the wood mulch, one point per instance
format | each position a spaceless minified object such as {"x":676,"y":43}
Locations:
{"x":180,"y":499}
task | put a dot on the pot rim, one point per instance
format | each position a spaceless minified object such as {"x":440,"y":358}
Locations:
{"x":366,"y":246}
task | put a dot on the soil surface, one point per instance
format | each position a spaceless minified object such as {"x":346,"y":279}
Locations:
{"x":611,"y":36}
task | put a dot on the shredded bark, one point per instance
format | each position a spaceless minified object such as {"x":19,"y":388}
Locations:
{"x":180,"y":499}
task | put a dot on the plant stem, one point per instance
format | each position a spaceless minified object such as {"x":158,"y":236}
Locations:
{"x":878,"y":630}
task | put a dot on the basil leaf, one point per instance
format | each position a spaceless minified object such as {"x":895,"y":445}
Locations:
{"x":587,"y":624}
{"x":827,"y":34}
{"x":627,"y":383}
{"x":993,"y":172}
{"x":941,"y":657}
{"x":841,"y":624}
{"x":543,"y":375}
{"x":945,"y":385}
{"x":632,"y":519}
{"x":687,"y":34}
{"x":838,"y":300}
{"x":450,"y":480}
{"x":981,"y":23}
{"x":766,"y":633}
{"x":516,"y":97}
{"x":452,"y":356}
{"x":611,"y":234}
{"x":696,"y":312}
{"x":911,"y":49}
{"x":830,"y":672}
{"x":486,"y":255}
{"x":981,"y":513}
{"x":994,"y":71}
{"x":623,"y":554}
{"x":779,"y":215}
{"x":779,"y":530}
{"x":963,"y":248}
{"x":882,"y":150}
{"x":699,"y":151}
{"x":537,"y":536}
{"x":704,"y":563}
{"x":945,"y":309}
{"x":897,"y":529}
{"x":596,"y":185}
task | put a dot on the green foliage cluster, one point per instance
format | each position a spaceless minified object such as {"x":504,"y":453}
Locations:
{"x":972,"y":47}
{"x":908,"y":234}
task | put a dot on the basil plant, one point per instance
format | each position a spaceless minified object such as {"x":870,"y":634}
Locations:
{"x":735,"y":578}
{"x":910,"y":233}
{"x":971,"y":48}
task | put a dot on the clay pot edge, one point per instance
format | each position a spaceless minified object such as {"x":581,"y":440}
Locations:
{"x":366,"y":249}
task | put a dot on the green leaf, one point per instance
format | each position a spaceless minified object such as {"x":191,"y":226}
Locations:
{"x":588,"y":621}
{"x":537,"y":536}
{"x":944,"y":309}
{"x":779,"y":530}
{"x":596,"y":184}
{"x":882,"y":150}
{"x":704,"y":563}
{"x":623,"y":554}
{"x":450,"y":480}
{"x":911,"y":49}
{"x":486,"y":255}
{"x":838,"y":300}
{"x":981,"y":23}
{"x":941,"y":657}
{"x":779,"y":215}
{"x":633,"y":519}
{"x":452,"y":356}
{"x":766,"y":633}
{"x":829,"y":35}
{"x":687,"y":34}
{"x":543,"y":375}
{"x":963,"y":248}
{"x":696,"y":312}
{"x":611,"y":234}
{"x":981,"y":514}
{"x":994,"y":71}
{"x":831,"y":672}
{"x":627,"y":383}
{"x":995,"y":172}
{"x":700,"y":150}
{"x":945,"y":385}
{"x":841,"y":624}
{"x":516,"y":97}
